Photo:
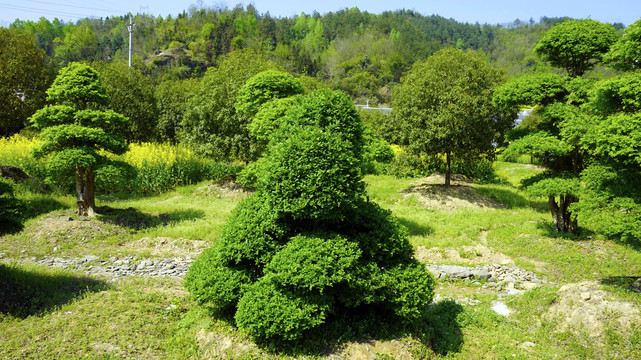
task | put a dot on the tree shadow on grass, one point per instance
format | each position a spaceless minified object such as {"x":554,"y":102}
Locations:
{"x":547,"y":229}
{"x":415,"y":228}
{"x":512,"y":199}
{"x":137,"y":220}
{"x":27,"y":210}
{"x":439,"y":332}
{"x":629,"y":283}
{"x":26,"y":293}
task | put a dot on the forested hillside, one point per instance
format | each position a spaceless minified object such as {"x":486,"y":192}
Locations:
{"x":362,"y":53}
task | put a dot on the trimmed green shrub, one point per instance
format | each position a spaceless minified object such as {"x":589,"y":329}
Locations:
{"x":307,"y":244}
{"x":311,"y":262}
{"x":268,"y":311}
{"x":214,"y":283}
{"x":311,"y":174}
{"x":253,"y":234}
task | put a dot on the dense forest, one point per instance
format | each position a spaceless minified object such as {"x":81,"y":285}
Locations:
{"x":361,"y":53}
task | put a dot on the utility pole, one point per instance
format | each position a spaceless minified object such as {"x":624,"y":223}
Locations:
{"x":130,"y":27}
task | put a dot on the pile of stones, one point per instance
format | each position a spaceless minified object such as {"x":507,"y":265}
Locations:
{"x":120,"y":266}
{"x":495,"y":276}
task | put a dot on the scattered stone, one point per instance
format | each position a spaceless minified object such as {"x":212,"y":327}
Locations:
{"x":114,"y":266}
{"x":496,"y":276}
{"x":500,"y":308}
{"x":586,"y":296}
{"x":527,"y":345}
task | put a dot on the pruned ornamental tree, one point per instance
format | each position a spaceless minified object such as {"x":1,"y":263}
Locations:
{"x":556,"y":136}
{"x":576,"y":45}
{"x":74,"y":132}
{"x":611,"y":197}
{"x":445,"y":105}
{"x":308,"y":246}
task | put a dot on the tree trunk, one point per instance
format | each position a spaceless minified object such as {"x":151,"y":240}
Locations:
{"x":564,"y":221}
{"x":90,"y":198}
{"x":85,"y":197}
{"x":448,"y":159}
{"x":80,"y":191}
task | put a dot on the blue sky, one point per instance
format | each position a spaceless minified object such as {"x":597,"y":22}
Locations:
{"x":482,"y":11}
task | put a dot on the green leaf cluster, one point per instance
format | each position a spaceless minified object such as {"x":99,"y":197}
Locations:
{"x":576,"y":45}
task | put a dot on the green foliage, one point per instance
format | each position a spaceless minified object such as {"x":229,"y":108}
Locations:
{"x":548,"y":184}
{"x":307,"y":245}
{"x":314,"y":263}
{"x":132,"y":95}
{"x":172,"y":98}
{"x":544,"y":88}
{"x":616,"y":139}
{"x":10,"y":208}
{"x":79,"y":86}
{"x":312,"y":174}
{"x":116,"y":177}
{"x":576,"y":45}
{"x":622,"y":93}
{"x":74,"y":141}
{"x":376,"y":151}
{"x":264,"y":87}
{"x":445,"y":104}
{"x":23,"y":79}
{"x":211,"y":125}
{"x":625,"y":54}
{"x":215,"y":285}
{"x":270,"y":312}
{"x":611,"y":201}
{"x":253,"y":234}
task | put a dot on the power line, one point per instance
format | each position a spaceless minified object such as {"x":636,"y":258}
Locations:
{"x":41,"y":11}
{"x":76,"y":6}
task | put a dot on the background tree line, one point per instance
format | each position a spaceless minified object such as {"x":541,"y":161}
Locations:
{"x":361,"y":53}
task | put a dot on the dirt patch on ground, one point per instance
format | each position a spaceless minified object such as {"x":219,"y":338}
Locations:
{"x":224,"y":188}
{"x":63,"y":224}
{"x":166,"y":245}
{"x":585,"y":308}
{"x":433,"y":194}
{"x":220,"y":346}
{"x":469,"y":254}
{"x":375,"y":349}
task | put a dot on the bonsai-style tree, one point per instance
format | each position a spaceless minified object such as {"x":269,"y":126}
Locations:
{"x":611,"y":197}
{"x":74,"y":132}
{"x":556,"y":138}
{"x":308,"y":244}
{"x":576,"y":45}
{"x":625,"y":54}
{"x":445,"y":104}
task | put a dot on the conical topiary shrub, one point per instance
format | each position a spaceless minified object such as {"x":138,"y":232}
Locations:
{"x":308,"y":244}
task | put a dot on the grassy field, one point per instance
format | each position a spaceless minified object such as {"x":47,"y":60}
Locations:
{"x":58,"y":313}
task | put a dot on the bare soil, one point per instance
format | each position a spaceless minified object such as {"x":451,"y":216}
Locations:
{"x":433,"y":194}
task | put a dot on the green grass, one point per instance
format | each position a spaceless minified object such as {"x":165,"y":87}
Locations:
{"x":49,"y":313}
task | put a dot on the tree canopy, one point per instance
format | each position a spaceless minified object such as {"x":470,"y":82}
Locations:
{"x":74,"y":131}
{"x":23,"y":79}
{"x":576,"y":45}
{"x":445,"y":105}
{"x":211,"y":124}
